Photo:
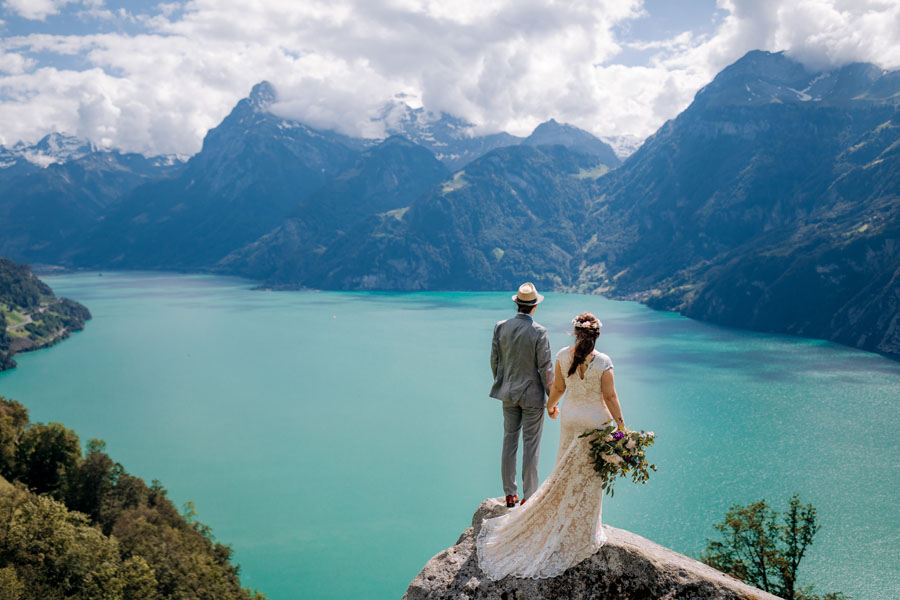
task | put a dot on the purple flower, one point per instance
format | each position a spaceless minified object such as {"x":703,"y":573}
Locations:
{"x":618,"y":435}
{"x":629,"y":459}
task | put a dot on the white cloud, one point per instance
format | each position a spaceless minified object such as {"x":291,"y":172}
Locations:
{"x":502,"y":64}
{"x":101,"y":14}
{"x":822,"y":34}
{"x":831,"y":35}
{"x":35,"y":9}
{"x":13,"y":63}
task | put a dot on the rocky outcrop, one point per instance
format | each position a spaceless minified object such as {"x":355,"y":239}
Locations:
{"x":627,"y":567}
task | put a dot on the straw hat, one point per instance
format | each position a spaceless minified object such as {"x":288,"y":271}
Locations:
{"x":527,"y":295}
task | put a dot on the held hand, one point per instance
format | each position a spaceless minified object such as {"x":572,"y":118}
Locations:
{"x":553,"y":412}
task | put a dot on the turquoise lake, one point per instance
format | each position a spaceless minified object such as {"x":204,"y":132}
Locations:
{"x":338,"y":440}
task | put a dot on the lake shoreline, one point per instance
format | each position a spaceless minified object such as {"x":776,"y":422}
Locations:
{"x":32,"y":316}
{"x":646,"y":298}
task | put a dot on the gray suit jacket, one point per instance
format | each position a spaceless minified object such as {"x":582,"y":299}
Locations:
{"x":521,"y":362}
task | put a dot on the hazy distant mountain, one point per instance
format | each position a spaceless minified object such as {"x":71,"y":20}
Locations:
{"x":573,"y":138}
{"x":452,"y":140}
{"x":59,"y":148}
{"x":13,"y":164}
{"x":52,"y":193}
{"x":54,"y":148}
{"x":623,"y":145}
{"x":770,"y":203}
{"x":253,"y":168}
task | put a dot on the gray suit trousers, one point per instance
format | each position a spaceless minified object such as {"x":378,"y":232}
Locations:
{"x":530,"y":421}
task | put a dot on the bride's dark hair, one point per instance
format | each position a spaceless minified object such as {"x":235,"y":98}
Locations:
{"x":585,"y":336}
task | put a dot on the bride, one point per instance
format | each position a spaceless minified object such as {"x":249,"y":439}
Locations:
{"x":559,"y":526}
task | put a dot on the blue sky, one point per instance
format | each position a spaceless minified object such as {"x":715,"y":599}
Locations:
{"x":154,"y":77}
{"x":74,"y":18}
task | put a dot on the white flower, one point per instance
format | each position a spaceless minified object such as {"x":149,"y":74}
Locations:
{"x":613,"y":459}
{"x":607,"y":438}
{"x":630,"y":444}
{"x":651,"y":434}
{"x":586,"y":324}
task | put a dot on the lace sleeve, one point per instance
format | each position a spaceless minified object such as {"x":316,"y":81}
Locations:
{"x":605,"y":363}
{"x":563,"y":357}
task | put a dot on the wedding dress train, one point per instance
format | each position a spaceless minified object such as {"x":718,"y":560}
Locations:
{"x":560,"y":525}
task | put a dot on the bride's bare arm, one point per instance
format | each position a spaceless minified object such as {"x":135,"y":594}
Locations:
{"x":608,"y":385}
{"x":556,"y":391}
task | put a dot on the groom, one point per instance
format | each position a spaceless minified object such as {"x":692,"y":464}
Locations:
{"x":523,"y":372}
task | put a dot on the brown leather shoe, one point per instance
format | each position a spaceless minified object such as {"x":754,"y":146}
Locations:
{"x":511,"y":501}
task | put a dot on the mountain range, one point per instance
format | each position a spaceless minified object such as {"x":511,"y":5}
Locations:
{"x":53,"y":192}
{"x":769,"y":203}
{"x":259,"y":174}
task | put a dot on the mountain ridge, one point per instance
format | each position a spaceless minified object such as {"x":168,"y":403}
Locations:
{"x":715,"y":194}
{"x":253,"y":167}
{"x":384,"y":178}
{"x":46,"y":211}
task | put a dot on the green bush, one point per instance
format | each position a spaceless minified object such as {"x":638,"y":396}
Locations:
{"x":13,"y":419}
{"x":764,"y":552}
{"x":19,"y":286}
{"x":52,"y":553}
{"x":45,"y":455}
{"x":6,"y":361}
{"x":74,"y":526}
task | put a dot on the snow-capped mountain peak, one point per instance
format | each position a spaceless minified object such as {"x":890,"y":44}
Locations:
{"x":452,"y":140}
{"x":53,"y":148}
{"x":623,"y":145}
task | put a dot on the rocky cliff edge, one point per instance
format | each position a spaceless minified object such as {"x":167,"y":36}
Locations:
{"x":627,"y":567}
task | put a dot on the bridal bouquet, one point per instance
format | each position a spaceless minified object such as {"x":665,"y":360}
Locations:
{"x":619,"y":454}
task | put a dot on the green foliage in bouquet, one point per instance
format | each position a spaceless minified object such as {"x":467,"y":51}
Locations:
{"x":619,"y":454}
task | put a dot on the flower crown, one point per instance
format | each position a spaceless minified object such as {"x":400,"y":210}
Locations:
{"x":586,"y":324}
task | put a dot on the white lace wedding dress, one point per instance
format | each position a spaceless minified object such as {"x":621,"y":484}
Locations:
{"x":559,"y":526}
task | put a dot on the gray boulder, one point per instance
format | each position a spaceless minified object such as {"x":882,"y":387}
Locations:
{"x":627,"y":567}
